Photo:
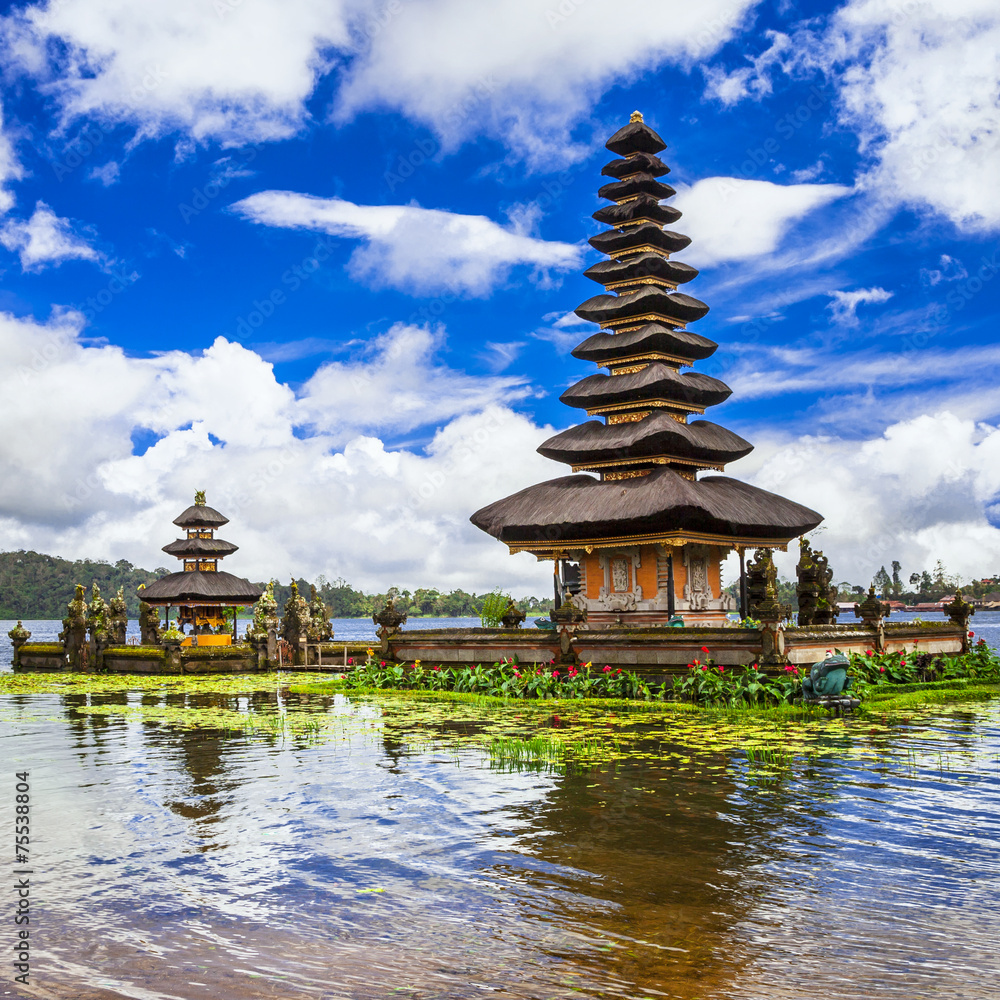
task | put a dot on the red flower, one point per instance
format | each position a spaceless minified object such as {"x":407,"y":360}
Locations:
{"x":868,"y":652}
{"x":383,"y":663}
{"x":350,"y":662}
{"x":881,"y":670}
{"x":704,"y":649}
{"x":617,"y":672}
{"x":555,"y":673}
{"x":703,"y":668}
{"x":972,"y":635}
{"x":437,"y":668}
{"x":606,"y":670}
{"x":516,"y":674}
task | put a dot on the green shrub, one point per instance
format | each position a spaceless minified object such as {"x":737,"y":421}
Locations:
{"x":494,"y":606}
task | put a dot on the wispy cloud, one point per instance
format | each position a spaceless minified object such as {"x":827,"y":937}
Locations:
{"x":416,"y":250}
{"x":46,"y":239}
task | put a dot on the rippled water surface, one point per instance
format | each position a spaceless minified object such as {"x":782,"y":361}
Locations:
{"x":384,"y":851}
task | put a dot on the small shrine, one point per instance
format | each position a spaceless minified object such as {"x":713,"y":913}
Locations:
{"x":201,"y":591}
{"x":640,"y":530}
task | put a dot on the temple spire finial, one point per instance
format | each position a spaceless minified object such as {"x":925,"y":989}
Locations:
{"x":636,"y":117}
{"x":199,"y":498}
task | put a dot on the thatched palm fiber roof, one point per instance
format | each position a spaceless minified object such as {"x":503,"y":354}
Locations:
{"x":603,"y":348}
{"x":200,"y":515}
{"x":658,"y":434}
{"x":644,"y":163}
{"x":636,"y":137}
{"x":615,"y":243}
{"x":643,"y":265}
{"x":656,"y":381}
{"x":213,"y":547}
{"x":583,"y":508}
{"x":194,"y":587}
{"x":671,"y":307}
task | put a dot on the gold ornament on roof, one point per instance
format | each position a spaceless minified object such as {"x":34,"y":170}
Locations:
{"x":636,"y":117}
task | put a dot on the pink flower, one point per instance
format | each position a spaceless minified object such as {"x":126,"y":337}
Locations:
{"x":881,"y":670}
{"x":606,"y":670}
{"x":516,"y":674}
{"x":350,"y":662}
{"x":703,"y":668}
{"x":383,"y":663}
{"x":555,"y":673}
{"x":868,"y":652}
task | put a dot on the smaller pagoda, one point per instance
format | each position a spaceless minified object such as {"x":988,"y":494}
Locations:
{"x":201,"y":591}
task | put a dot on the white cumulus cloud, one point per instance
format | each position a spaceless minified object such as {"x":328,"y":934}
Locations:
{"x":46,"y":239}
{"x":230,"y":71}
{"x":414,"y":249}
{"x":918,"y":492}
{"x":729,"y":218}
{"x":308,"y":480}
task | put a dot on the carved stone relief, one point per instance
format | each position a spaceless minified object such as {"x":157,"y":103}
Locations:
{"x":697,"y":589}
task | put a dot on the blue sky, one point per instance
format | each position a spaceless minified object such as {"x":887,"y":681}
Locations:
{"x":320,"y":259}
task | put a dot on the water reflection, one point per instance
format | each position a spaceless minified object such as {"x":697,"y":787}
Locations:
{"x":197,"y":862}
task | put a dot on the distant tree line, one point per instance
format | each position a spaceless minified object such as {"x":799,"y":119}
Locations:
{"x":925,"y":587}
{"x":34,"y":585}
{"x":346,"y":602}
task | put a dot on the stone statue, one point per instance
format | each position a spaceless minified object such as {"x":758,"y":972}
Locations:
{"x":149,"y":624}
{"x":295,"y":623}
{"x":771,"y":613}
{"x":512,"y":616}
{"x":389,"y":621}
{"x":761,"y":571}
{"x":97,"y":617}
{"x":74,"y":633}
{"x":19,"y":635}
{"x":872,"y":611}
{"x":827,"y":678}
{"x":118,"y":618}
{"x":959,"y":611}
{"x":319,"y":617}
{"x":807,"y":587}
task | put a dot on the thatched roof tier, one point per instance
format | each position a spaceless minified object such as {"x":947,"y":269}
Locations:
{"x":662,"y":506}
{"x":637,"y":184}
{"x":636,"y":137}
{"x":645,"y":342}
{"x":647,"y":301}
{"x":635,"y":239}
{"x":638,"y":163}
{"x":200,"y":515}
{"x":657,"y":436}
{"x":643,"y":208}
{"x":193,"y":587}
{"x":212,"y":547}
{"x":639,"y":266}
{"x":657,"y":381}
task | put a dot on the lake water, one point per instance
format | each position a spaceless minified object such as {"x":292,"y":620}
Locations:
{"x":385,"y":852}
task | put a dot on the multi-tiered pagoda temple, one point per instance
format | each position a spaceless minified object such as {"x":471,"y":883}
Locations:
{"x":642,"y":531}
{"x":201,"y":591}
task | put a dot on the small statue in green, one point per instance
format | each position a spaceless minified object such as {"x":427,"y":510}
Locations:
{"x":827,"y":678}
